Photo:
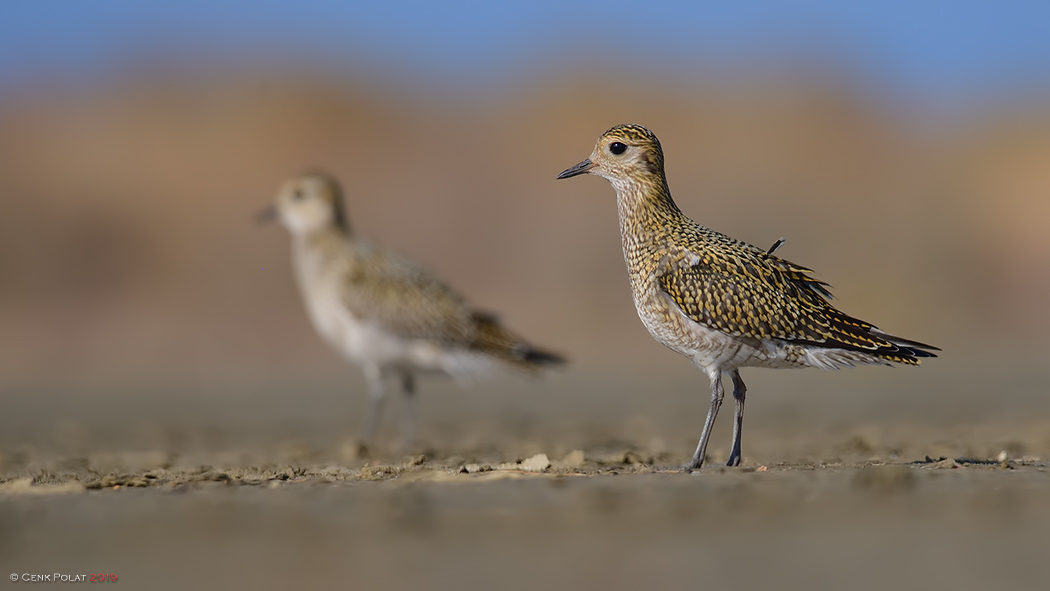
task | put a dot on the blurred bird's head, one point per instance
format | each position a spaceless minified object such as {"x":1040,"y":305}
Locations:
{"x":307,"y":203}
{"x":625,"y":155}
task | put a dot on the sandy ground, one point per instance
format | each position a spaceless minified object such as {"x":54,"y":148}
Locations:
{"x":859,"y":480}
{"x":856,"y":527}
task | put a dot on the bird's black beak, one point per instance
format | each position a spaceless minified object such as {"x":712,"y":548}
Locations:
{"x":267,"y":215}
{"x":580,"y":168}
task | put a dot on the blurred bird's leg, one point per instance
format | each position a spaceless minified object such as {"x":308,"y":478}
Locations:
{"x":374,"y":377}
{"x":717,"y":394}
{"x":739,"y":391}
{"x":408,"y":413}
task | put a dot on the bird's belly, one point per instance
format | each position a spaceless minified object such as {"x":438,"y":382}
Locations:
{"x":365,"y":342}
{"x":708,"y":348}
{"x":358,"y":341}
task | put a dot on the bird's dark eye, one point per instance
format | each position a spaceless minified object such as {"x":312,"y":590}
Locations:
{"x":617,"y":148}
{"x":297,"y":194}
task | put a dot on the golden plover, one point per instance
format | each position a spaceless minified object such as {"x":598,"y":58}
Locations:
{"x":385,"y":312}
{"x":723,"y":303}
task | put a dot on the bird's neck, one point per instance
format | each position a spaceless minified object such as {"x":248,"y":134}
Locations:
{"x":648,"y":218}
{"x":320,"y":243}
{"x":645,"y":207}
{"x":322,"y":234}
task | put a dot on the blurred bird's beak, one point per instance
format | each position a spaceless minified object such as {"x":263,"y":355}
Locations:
{"x":580,"y":168}
{"x":267,"y":215}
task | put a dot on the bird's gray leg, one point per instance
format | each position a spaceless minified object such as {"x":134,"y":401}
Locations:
{"x":739,"y":391}
{"x":408,"y":413}
{"x":374,"y":377}
{"x":717,"y":393}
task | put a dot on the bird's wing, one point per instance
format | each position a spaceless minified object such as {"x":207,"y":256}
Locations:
{"x":405,"y":299}
{"x":743,"y":291}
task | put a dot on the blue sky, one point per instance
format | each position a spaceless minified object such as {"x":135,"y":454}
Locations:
{"x":927,"y":49}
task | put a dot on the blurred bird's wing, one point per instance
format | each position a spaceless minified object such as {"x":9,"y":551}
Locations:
{"x":405,"y":299}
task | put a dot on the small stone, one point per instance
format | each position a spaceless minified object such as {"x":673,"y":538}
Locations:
{"x":946,"y":463}
{"x":537,"y":463}
{"x":20,"y":485}
{"x":380,"y":472}
{"x":474,"y":468}
{"x":573,"y":459}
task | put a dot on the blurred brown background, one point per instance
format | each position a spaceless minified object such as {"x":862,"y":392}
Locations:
{"x":133,"y":266}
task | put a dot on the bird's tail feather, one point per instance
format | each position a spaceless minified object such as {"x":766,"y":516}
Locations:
{"x":914,"y":347}
{"x":852,"y":334}
{"x":495,"y":340}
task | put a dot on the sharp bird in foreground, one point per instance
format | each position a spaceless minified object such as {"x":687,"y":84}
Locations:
{"x":723,"y":303}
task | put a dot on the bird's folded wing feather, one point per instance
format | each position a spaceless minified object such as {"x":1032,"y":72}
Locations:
{"x":753,"y":294}
{"x":405,"y":299}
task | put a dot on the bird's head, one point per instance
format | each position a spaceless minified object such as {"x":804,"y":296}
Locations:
{"x":624,"y":155}
{"x":308,"y":202}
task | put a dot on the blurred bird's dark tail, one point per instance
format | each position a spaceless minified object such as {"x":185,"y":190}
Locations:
{"x":499,"y":342}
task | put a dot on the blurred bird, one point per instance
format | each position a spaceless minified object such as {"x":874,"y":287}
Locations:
{"x":385,"y":312}
{"x":723,"y":303}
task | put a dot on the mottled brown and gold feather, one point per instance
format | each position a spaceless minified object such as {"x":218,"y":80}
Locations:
{"x":741,"y":290}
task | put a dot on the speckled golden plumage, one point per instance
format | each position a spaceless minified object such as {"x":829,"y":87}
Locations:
{"x":721,"y":302}
{"x":740,"y":290}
